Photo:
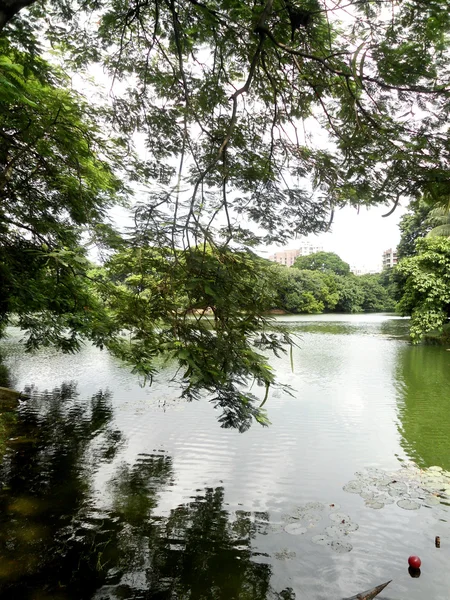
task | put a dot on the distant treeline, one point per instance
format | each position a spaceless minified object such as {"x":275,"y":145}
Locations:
{"x":322,"y":282}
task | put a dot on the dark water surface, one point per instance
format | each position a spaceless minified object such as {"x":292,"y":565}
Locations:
{"x":112,"y":491}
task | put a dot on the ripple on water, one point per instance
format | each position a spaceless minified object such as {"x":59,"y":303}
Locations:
{"x":359,"y":398}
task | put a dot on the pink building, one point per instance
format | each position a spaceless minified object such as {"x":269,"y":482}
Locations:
{"x":287,"y":257}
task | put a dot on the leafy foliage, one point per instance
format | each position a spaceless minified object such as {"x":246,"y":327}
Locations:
{"x":56,"y":184}
{"x":303,"y":291}
{"x":377,"y":297}
{"x":421,"y":220}
{"x":229,"y":91}
{"x":258,"y":120}
{"x":209,"y":321}
{"x":323,"y":261}
{"x":351,"y":295}
{"x":325,"y":284}
{"x":426,"y":294}
{"x":440,"y":218}
{"x":415,"y":224}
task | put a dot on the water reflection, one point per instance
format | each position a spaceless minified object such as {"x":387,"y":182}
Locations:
{"x":46,"y":476}
{"x":390,"y":326}
{"x":198,"y":552}
{"x":423,"y":387}
{"x":63,"y":537}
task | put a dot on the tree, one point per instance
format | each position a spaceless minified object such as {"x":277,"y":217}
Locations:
{"x":212,"y":323}
{"x":224,"y":95}
{"x":306,"y":291}
{"x":56,"y":185}
{"x":421,"y":220}
{"x":426,"y":295}
{"x":222,"y":84}
{"x":440,"y":217}
{"x":351,"y":295}
{"x":413,"y":225}
{"x":323,"y":261}
{"x":376,"y":297}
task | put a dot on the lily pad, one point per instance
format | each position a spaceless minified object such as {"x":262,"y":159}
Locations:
{"x":435,"y":486}
{"x":430,"y":487}
{"x":384,"y":498}
{"x":295,"y":529}
{"x":349,"y":526}
{"x":322,"y":540}
{"x":431,"y":500}
{"x":285,"y":554}
{"x":416,"y":493}
{"x":375,"y":505}
{"x":408,"y":504}
{"x":338,"y":517}
{"x":333,"y":531}
{"x":354,"y":487}
{"x":366,"y":495}
{"x":341,"y":547}
{"x":314,"y":507}
{"x":341,"y":529}
{"x":397,"y":488}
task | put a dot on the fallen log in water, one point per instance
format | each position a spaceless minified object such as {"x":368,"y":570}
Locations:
{"x":370,"y":593}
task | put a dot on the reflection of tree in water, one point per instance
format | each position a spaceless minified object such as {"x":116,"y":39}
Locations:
{"x":57,"y":543}
{"x":46,"y":487}
{"x":395,"y":328}
{"x":197,"y":552}
{"x":423,"y":386}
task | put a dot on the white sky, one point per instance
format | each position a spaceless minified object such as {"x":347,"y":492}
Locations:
{"x":358,"y":238}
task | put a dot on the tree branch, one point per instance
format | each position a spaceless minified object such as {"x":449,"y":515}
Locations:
{"x":9,"y":9}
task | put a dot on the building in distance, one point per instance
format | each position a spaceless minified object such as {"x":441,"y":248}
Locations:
{"x":287,"y":257}
{"x":389,"y":258}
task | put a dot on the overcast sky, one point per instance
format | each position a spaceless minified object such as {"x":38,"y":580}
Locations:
{"x":358,"y":238}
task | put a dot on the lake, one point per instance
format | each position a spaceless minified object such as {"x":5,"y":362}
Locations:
{"x":115,"y":491}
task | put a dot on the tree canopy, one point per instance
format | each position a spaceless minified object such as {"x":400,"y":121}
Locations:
{"x":421,"y":221}
{"x":426,"y":293}
{"x":323,"y":261}
{"x":303,"y":291}
{"x":322,"y":282}
{"x":57,"y":182}
{"x":227,"y":95}
{"x":234,"y":123}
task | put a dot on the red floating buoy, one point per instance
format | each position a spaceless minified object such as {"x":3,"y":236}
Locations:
{"x":414,"y":562}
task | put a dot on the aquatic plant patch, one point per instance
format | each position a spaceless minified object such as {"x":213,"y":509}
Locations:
{"x":409,"y":487}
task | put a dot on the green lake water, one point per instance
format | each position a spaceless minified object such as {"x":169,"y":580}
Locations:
{"x":114,"y":491}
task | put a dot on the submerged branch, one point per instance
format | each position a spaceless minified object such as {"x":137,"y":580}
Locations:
{"x":369,"y":594}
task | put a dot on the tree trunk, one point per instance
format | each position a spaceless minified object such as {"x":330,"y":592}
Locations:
{"x":369,"y":594}
{"x":10,"y":8}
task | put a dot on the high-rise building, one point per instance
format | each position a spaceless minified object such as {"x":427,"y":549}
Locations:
{"x":287,"y":257}
{"x":389,"y":258}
